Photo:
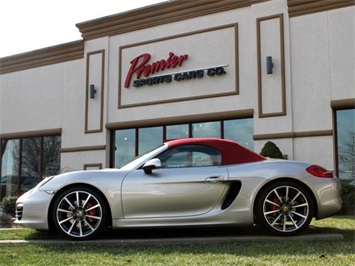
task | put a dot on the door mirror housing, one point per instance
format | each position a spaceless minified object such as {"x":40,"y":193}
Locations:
{"x":152,"y":164}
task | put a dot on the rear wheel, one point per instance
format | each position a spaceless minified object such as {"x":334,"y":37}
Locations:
{"x":285,"y":208}
{"x":79,"y":213}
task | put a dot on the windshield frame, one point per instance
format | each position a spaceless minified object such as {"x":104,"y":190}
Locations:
{"x":141,"y":159}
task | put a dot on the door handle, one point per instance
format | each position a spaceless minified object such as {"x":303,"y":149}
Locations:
{"x":214,"y":179}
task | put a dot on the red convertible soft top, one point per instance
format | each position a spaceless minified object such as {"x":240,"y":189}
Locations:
{"x":232,"y":152}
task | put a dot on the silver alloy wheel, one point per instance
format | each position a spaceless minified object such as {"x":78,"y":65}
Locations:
{"x":286,"y":209}
{"x":79,"y":214}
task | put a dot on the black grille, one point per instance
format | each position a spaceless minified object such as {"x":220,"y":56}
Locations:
{"x":19,"y":210}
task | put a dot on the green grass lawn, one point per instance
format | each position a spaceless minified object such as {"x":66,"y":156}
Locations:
{"x":287,"y":252}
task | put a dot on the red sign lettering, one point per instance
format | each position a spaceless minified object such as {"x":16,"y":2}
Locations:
{"x":140,"y":66}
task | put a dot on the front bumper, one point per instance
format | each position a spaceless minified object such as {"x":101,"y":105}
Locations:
{"x":32,"y":209}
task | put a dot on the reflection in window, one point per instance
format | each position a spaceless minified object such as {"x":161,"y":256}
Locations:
{"x":206,"y":130}
{"x":9,"y":167}
{"x":51,"y":156}
{"x":190,"y":156}
{"x":149,"y":138}
{"x":241,"y":131}
{"x":31,"y":156}
{"x":346,"y":143}
{"x":177,"y":131}
{"x":125,"y":142}
{"x":25,"y":162}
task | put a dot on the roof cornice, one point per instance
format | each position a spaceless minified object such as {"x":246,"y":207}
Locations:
{"x":42,"y":57}
{"x":145,"y":17}
{"x":155,"y":15}
{"x":305,"y":7}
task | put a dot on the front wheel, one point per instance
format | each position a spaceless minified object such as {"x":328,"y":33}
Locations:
{"x":285,"y":208}
{"x":79,"y":213}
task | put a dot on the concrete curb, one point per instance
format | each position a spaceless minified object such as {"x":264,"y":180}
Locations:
{"x":185,"y":240}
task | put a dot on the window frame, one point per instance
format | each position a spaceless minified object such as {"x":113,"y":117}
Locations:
{"x":164,"y":134}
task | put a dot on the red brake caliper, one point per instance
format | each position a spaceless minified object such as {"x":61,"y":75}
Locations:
{"x":91,"y":212}
{"x":273,"y":207}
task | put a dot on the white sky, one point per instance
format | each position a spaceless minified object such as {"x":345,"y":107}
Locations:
{"x":27,"y":25}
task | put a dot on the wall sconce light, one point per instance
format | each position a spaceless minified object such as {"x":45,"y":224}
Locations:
{"x":92,"y":91}
{"x":269,"y":65}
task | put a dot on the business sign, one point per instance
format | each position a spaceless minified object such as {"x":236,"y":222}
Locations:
{"x":145,"y":73}
{"x":191,"y":66}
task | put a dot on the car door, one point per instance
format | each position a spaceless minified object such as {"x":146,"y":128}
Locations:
{"x":188,"y":184}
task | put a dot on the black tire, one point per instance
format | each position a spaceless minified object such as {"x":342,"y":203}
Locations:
{"x":285,"y":208}
{"x":79,"y":213}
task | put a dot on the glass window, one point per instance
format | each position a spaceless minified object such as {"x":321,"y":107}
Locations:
{"x":202,"y":158}
{"x":24,"y":162}
{"x":30,"y":163}
{"x":241,"y":131}
{"x":206,"y":130}
{"x":130,"y":143}
{"x":177,"y":132}
{"x":149,"y":138}
{"x":31,"y":156}
{"x":190,"y":156}
{"x":10,"y":151}
{"x":346,"y":144}
{"x":125,"y":142}
{"x":51,"y":156}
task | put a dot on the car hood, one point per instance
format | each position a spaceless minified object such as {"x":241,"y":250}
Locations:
{"x":105,"y":179}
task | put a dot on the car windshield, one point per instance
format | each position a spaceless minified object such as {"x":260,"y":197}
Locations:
{"x":138,"y":161}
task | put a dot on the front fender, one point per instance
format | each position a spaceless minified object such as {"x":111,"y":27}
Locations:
{"x":108,"y":182}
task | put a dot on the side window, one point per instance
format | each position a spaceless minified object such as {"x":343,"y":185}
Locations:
{"x":190,"y":156}
{"x":202,"y":159}
{"x":175,"y":159}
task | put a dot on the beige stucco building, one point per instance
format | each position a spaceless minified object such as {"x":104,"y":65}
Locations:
{"x":250,"y":70}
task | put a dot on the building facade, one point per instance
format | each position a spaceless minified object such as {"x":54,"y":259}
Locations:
{"x":250,"y":70}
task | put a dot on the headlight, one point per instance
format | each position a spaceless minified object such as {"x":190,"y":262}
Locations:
{"x":40,"y":184}
{"x":45,"y":181}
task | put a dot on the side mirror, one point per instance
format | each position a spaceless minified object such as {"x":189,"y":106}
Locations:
{"x":150,"y":165}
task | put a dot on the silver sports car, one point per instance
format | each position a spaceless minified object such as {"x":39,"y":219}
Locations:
{"x":185,"y":182}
